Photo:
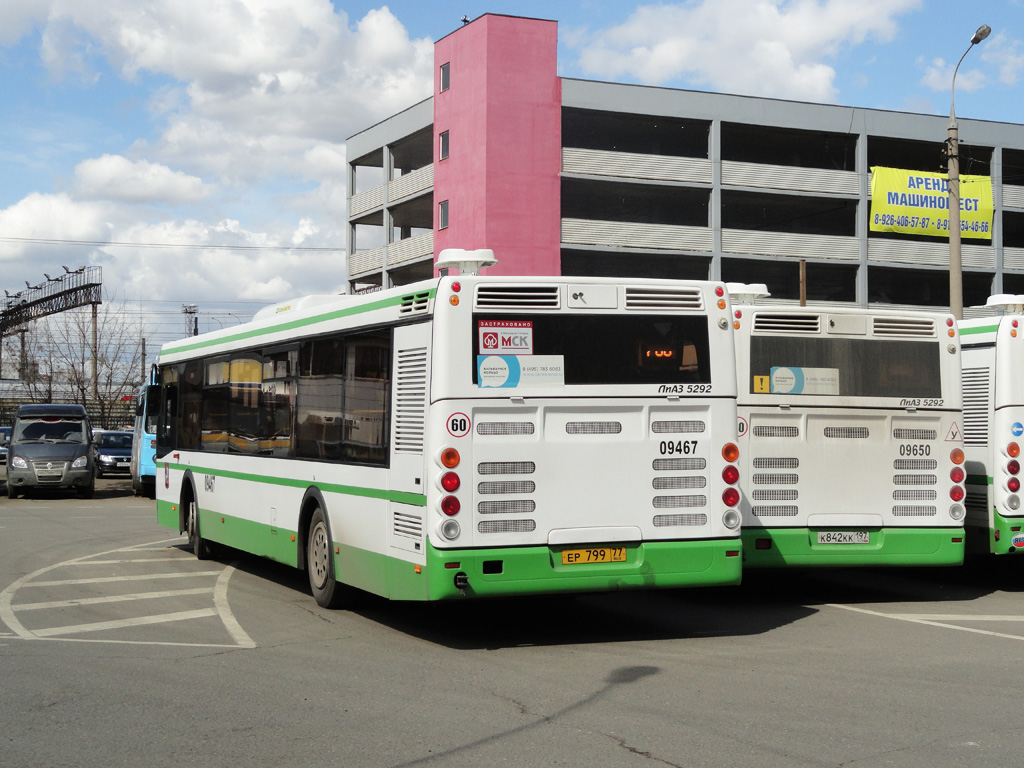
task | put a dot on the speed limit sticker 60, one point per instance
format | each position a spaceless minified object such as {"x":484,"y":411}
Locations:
{"x":458,"y":425}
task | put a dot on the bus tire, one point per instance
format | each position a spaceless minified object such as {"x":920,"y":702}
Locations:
{"x":327,"y":591}
{"x":200,"y":546}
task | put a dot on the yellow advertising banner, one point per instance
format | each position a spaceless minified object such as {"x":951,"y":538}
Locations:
{"x":917,"y":203}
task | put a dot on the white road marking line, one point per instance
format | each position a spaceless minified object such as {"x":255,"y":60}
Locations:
{"x":110,"y":599}
{"x":7,"y":615}
{"x":916,"y":620}
{"x":131,"y":560}
{"x":122,"y":623}
{"x":220,"y":600}
{"x":108,"y":579}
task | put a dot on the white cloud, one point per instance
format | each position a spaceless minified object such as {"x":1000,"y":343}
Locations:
{"x":760,"y":47}
{"x":1007,"y":55}
{"x":112,"y":177}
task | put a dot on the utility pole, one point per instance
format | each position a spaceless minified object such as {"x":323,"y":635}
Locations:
{"x":191,"y":321}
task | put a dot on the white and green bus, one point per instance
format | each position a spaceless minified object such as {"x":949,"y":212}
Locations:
{"x":464,"y":436}
{"x":993,"y":358}
{"x":850,"y":435}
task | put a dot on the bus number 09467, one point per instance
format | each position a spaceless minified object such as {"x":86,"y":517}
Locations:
{"x":683,"y":447}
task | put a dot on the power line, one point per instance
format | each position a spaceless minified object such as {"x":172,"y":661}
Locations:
{"x":187,"y":246}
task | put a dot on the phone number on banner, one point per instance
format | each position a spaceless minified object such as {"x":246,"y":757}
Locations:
{"x":927,"y":222}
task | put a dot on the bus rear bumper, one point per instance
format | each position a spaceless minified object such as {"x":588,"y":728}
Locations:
{"x":536,"y":570}
{"x":799,"y":547}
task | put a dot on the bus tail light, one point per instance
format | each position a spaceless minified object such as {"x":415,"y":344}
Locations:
{"x":730,"y":452}
{"x":1013,"y":484}
{"x":956,"y":474}
{"x":956,"y":511}
{"x":956,"y":493}
{"x":450,"y":458}
{"x":730,"y":497}
{"x":731,"y":519}
{"x":450,"y":505}
{"x":1013,"y":466}
{"x":956,"y":456}
{"x":450,"y":482}
{"x":1012,"y":450}
{"x":730,"y":474}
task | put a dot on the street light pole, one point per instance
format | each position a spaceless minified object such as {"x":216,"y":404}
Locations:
{"x":956,"y":281}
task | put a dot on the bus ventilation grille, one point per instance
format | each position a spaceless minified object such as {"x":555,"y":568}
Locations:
{"x":506,"y":526}
{"x":409,"y":526}
{"x":914,"y":434}
{"x":506,"y":467}
{"x":517,"y":296}
{"x":415,"y":302}
{"x":914,"y":465}
{"x":774,"y":431}
{"x":776,"y":478}
{"x":676,"y":502}
{"x":666,"y":521}
{"x":679,"y":465}
{"x":410,"y":400}
{"x":848,"y":433}
{"x":678,"y":483}
{"x":511,"y":506}
{"x":782,"y":510}
{"x":913,"y":510}
{"x":593,"y":428}
{"x":504,"y":428}
{"x":976,"y":405}
{"x":916,"y":494}
{"x":904,"y":326}
{"x":789,"y":322}
{"x":655,"y":298}
{"x":677,"y":427}
{"x":775,"y":462}
{"x":914,"y":479}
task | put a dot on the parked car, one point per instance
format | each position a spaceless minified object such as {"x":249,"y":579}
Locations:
{"x":5,"y":437}
{"x":50,"y":448}
{"x":113,"y":452}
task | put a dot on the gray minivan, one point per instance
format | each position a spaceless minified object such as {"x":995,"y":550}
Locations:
{"x":50,"y":447}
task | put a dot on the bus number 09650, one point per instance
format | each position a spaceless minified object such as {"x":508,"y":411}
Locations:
{"x":683,"y":447}
{"x":909,"y":449}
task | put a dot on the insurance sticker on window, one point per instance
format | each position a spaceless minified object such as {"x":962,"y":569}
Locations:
{"x":804,"y":381}
{"x":520,"y":370}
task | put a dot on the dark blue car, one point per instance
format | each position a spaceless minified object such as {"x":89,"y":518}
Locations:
{"x":113,"y":452}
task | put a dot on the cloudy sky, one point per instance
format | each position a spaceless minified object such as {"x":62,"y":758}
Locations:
{"x":195,"y":149}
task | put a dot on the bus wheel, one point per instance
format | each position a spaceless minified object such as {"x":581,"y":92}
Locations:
{"x":199,"y":545}
{"x":320,"y":565}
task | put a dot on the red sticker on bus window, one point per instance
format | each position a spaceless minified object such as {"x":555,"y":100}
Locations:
{"x":505,"y":337}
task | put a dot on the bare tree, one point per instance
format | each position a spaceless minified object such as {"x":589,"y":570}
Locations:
{"x":58,"y":359}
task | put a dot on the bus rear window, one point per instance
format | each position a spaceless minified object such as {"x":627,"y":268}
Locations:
{"x":602,"y":349}
{"x":844,"y":367}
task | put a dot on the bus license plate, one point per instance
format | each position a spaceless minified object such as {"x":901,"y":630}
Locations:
{"x":595,"y":555}
{"x":843,"y":537}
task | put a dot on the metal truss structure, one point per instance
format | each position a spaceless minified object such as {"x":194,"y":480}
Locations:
{"x":75,"y":288}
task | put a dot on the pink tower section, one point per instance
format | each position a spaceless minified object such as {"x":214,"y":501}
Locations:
{"x":502,"y":113}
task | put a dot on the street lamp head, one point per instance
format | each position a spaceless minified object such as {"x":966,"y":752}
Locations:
{"x":983,"y":31}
